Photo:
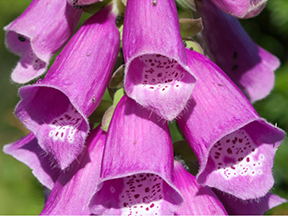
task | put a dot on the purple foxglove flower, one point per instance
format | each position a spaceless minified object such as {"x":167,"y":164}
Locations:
{"x":30,"y":153}
{"x":56,"y":108}
{"x":137,"y":165}
{"x":259,"y":206}
{"x":231,"y":48}
{"x":235,"y":147}
{"x":241,"y":8}
{"x":75,"y":186}
{"x":37,"y":41}
{"x":198,"y":200}
{"x":156,"y":72}
{"x":82,"y":2}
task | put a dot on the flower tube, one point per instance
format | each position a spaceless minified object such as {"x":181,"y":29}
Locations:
{"x":156,"y":72}
{"x":235,"y":147}
{"x":37,"y":41}
{"x":56,"y":108}
{"x":30,"y":153}
{"x":75,"y":186}
{"x":137,"y":165}
{"x":225,"y":41}
{"x":198,"y":200}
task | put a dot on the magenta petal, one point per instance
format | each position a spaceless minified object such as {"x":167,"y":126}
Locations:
{"x":37,"y":41}
{"x":198,"y":200}
{"x":236,"y":8}
{"x":249,"y":66}
{"x":75,"y":186}
{"x":259,"y":206}
{"x":156,"y":72}
{"x":241,"y":8}
{"x":235,"y":147}
{"x":56,"y":108}
{"x":137,"y":166}
{"x":29,"y":152}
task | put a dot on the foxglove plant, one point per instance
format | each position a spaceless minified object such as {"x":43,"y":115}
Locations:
{"x":41,"y":31}
{"x":130,"y":169}
{"x":56,"y":108}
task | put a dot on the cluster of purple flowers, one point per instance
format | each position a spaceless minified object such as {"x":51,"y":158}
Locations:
{"x":126,"y":165}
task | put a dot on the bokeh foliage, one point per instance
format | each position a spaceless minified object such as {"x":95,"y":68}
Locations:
{"x":20,"y":193}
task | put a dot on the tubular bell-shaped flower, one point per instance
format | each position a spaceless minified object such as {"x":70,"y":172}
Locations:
{"x":56,"y":108}
{"x":137,"y":165}
{"x":156,"y":72}
{"x":30,"y":153}
{"x":198,"y":200}
{"x":241,"y":8}
{"x":36,"y":41}
{"x":235,"y":147}
{"x":225,"y":41}
{"x":75,"y":186}
{"x":259,"y":206}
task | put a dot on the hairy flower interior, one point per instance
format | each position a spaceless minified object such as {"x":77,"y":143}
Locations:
{"x":160,"y":72}
{"x":141,"y":194}
{"x":237,"y":155}
{"x":65,"y":125}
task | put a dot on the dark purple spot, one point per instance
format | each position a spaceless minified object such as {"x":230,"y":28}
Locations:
{"x":229,"y":151}
{"x":136,"y":195}
{"x":147,"y":189}
{"x":140,"y":185}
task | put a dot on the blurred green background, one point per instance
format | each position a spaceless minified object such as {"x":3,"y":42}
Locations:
{"x":20,"y":193}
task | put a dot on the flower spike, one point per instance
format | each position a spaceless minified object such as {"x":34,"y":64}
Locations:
{"x":75,"y":186}
{"x":137,"y":165}
{"x":56,"y":108}
{"x":36,"y":41}
{"x":235,"y":147}
{"x":249,"y":66}
{"x":156,"y":72}
{"x":30,"y":153}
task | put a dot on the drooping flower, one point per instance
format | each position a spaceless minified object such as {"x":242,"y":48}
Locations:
{"x":235,"y":206}
{"x":235,"y":147}
{"x":30,"y":153}
{"x":156,"y":72}
{"x":225,"y":41}
{"x":241,"y":8}
{"x":56,"y":108}
{"x":41,"y":31}
{"x":198,"y":200}
{"x":76,"y":185}
{"x":137,"y":165}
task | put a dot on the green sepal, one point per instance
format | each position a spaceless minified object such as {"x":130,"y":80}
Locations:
{"x":193,"y":45}
{"x":97,"y":115}
{"x":106,"y":119}
{"x":190,"y":27}
{"x":117,"y":78}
